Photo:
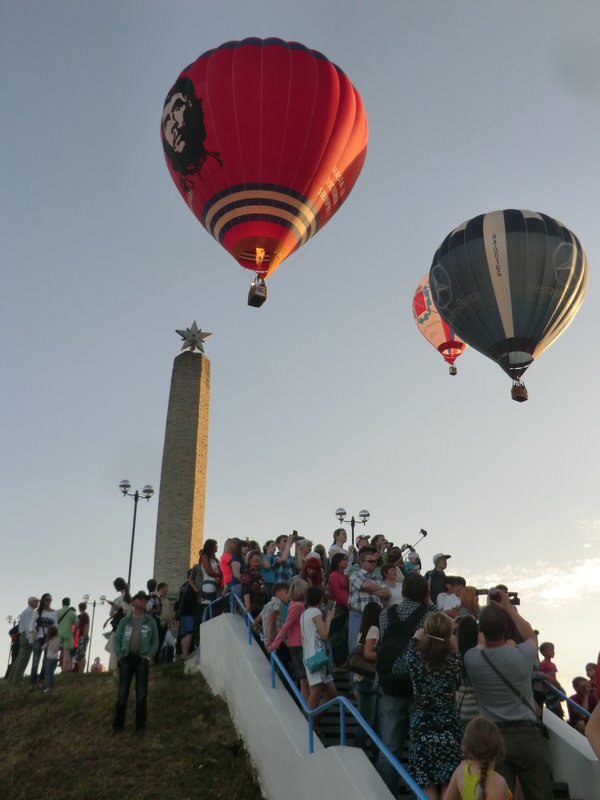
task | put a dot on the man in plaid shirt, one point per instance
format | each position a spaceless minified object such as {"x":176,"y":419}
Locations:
{"x":284,"y":565}
{"x":363,"y":589}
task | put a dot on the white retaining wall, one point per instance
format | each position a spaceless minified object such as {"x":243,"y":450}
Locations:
{"x":572,"y":758}
{"x":274,"y":731}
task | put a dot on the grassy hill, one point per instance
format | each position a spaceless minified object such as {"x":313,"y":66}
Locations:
{"x":56,"y":745}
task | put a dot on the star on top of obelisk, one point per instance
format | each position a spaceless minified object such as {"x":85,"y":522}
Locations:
{"x":193,"y":337}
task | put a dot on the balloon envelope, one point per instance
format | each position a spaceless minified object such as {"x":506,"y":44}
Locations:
{"x":264,"y":140}
{"x":509,"y":282}
{"x":427,"y":319}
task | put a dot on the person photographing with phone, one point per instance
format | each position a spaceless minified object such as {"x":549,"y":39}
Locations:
{"x":284,"y":565}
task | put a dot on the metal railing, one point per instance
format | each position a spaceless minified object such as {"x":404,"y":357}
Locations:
{"x":344,"y":704}
{"x":562,"y":696}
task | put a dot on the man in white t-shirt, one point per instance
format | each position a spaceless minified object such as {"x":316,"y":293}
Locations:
{"x":449,"y":601}
{"x":25,"y":648}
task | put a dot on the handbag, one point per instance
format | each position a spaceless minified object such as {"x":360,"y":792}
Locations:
{"x":317,"y":662}
{"x":358,"y":663}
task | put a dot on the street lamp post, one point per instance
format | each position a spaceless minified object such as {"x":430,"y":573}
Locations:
{"x":147,"y":493}
{"x":101,"y":600}
{"x":364,"y":518}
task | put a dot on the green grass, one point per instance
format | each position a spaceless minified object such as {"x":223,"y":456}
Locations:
{"x":56,"y":746}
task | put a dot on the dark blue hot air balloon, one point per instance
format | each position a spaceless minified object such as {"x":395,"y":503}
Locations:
{"x":509,"y":283}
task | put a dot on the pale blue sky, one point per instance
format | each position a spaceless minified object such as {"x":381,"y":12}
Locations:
{"x":328,"y":395}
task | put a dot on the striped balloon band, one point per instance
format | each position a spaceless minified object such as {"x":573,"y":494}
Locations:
{"x":260,"y":202}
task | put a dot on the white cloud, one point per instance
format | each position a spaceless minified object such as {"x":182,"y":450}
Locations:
{"x":550,"y":584}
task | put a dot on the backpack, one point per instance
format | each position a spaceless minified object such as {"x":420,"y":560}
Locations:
{"x":395,"y":640}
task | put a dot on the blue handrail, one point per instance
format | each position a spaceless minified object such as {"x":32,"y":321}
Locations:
{"x":570,"y":702}
{"x":343,"y":702}
{"x":345,"y":705}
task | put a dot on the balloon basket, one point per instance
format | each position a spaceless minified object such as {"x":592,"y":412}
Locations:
{"x":258,"y":293}
{"x":519,"y":392}
{"x":453,"y":370}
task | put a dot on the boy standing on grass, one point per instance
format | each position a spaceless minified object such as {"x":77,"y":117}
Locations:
{"x":136,"y":644}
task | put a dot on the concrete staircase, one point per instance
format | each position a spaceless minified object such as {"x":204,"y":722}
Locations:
{"x":329,"y":733}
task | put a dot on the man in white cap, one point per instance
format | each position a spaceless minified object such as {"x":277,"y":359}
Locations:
{"x":437,"y":576}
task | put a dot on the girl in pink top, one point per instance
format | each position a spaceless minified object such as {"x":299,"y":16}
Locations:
{"x":224,"y":563}
{"x":337,"y":583}
{"x":337,"y":587}
{"x":291,"y":628}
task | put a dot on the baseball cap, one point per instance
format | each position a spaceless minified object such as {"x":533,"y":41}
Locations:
{"x":437,"y":557}
{"x":140,"y":596}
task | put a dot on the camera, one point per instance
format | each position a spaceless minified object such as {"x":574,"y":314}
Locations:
{"x":494,"y":594}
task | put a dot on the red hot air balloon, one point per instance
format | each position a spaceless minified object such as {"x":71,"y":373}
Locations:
{"x":437,"y":332}
{"x":264,"y":140}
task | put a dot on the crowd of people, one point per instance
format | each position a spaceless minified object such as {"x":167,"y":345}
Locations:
{"x":431,"y":659}
{"x":141,"y":631}
{"x":60,"y":637}
{"x":427,"y":663}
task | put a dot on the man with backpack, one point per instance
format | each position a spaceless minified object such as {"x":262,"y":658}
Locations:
{"x":397,"y":626}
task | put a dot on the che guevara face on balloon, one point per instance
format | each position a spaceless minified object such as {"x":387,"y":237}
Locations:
{"x":184,"y":132}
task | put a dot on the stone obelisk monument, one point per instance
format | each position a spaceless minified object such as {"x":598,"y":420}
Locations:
{"x":180,"y":523}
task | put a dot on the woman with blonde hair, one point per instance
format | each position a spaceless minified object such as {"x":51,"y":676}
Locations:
{"x":469,"y":602}
{"x":434,"y":665}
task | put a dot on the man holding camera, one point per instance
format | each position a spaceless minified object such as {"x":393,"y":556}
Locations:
{"x":501,"y":676}
{"x":284,"y":566}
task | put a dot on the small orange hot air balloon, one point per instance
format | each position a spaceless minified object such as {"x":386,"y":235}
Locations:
{"x":437,"y":332}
